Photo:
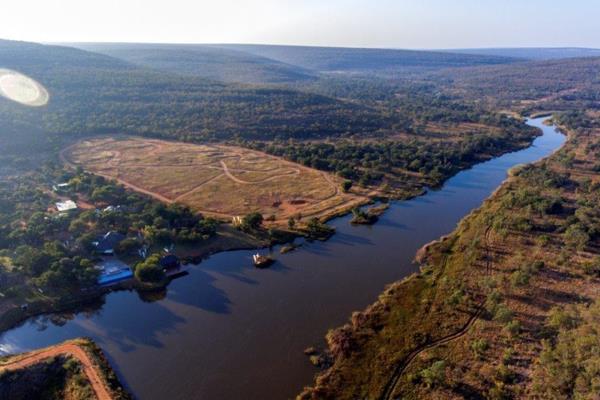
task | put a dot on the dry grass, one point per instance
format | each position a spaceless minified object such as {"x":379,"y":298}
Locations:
{"x":421,"y":310}
{"x":216,"y":180}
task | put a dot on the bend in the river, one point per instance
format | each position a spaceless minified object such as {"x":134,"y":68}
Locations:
{"x":230,"y":331}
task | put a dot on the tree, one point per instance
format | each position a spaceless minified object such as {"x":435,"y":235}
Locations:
{"x":252,"y":221}
{"x":346,"y":185}
{"x":127,"y":246}
{"x":32,"y":260}
{"x":150,"y":270}
{"x":291,"y":223}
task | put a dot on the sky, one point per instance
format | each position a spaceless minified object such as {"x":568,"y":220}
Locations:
{"x":417,"y":24}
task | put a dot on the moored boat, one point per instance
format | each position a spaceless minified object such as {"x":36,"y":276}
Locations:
{"x":261,"y":261}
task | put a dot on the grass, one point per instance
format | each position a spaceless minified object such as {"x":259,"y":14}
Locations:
{"x":216,"y":180}
{"x":528,"y":278}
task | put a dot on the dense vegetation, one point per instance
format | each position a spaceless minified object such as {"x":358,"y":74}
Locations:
{"x":553,"y":85}
{"x":56,"y":378}
{"x":392,"y":161}
{"x":54,"y":251}
{"x":410,"y":127}
{"x":92,"y":93}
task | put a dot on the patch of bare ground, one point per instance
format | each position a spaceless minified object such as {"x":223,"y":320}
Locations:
{"x":216,"y":180}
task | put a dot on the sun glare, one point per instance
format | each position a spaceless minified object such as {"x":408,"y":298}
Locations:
{"x":22,"y":89}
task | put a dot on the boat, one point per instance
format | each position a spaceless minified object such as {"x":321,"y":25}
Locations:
{"x":261,"y":261}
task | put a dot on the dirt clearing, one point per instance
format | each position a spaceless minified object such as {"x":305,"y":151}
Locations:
{"x":216,"y":180}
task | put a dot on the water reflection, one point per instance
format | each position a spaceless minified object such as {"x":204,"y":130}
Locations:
{"x":230,"y":331}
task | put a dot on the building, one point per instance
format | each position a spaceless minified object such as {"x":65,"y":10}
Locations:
{"x":170,"y":261}
{"x":60,"y":187}
{"x":106,"y":244}
{"x":113,"y":271}
{"x":67,"y":205}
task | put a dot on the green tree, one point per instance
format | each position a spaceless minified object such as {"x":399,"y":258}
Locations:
{"x":252,"y":221}
{"x":346,"y":185}
{"x":150,"y":270}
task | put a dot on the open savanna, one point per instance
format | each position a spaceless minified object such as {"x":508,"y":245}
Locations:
{"x":217,"y":180}
{"x":505,"y":307}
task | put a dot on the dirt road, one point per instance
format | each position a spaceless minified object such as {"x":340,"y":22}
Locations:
{"x":68,"y":349}
{"x":390,"y":388}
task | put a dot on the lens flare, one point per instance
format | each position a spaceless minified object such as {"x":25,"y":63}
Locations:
{"x":22,"y":89}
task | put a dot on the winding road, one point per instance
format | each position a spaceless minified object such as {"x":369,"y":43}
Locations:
{"x":390,"y":388}
{"x":66,"y":349}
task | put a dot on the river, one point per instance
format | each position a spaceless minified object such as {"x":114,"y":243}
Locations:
{"x":230,"y":331}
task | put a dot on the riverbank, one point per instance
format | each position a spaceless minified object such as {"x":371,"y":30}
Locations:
{"x":225,"y":296}
{"x":75,"y":368}
{"x":489,"y":285}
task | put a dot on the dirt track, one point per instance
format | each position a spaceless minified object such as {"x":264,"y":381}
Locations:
{"x":70,"y":349}
{"x":319,"y":208}
{"x":390,"y":388}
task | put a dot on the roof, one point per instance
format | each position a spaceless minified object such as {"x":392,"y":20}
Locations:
{"x":66,"y":205}
{"x":109,"y":241}
{"x":169,"y":261}
{"x":112,"y":271}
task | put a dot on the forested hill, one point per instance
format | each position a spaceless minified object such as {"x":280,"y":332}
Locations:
{"x":336,"y":59}
{"x":204,"y":61}
{"x":532,"y":53}
{"x":92,"y":93}
{"x":552,"y":85}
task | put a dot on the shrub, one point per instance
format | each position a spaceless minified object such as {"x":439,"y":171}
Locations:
{"x":456,"y":298}
{"x":291,"y":223}
{"x":520,"y":278}
{"x":513,"y":328}
{"x":504,"y":374}
{"x":592,"y":268}
{"x":576,"y":236}
{"x":507,"y":356}
{"x":503,"y":314}
{"x":479,"y":347}
{"x":492,"y":301}
{"x":252,"y":221}
{"x":346,"y":185}
{"x":435,"y":375}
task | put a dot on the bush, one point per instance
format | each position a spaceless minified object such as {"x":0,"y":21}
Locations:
{"x":507,"y":356}
{"x":435,"y":375}
{"x":479,"y":347}
{"x":520,"y":278}
{"x":346,"y":185}
{"x":503,"y":314}
{"x":456,"y":298}
{"x":576,"y":236}
{"x":513,"y":328}
{"x":252,"y":221}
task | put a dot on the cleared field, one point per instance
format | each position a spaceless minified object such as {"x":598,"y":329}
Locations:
{"x":217,"y":180}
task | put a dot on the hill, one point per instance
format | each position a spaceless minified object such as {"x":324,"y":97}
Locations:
{"x":532,"y":53}
{"x":203,"y":61}
{"x":93,"y":93}
{"x":343,"y":59}
{"x":552,"y":85}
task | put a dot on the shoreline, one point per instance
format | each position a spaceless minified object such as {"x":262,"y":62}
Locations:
{"x":12,"y":321}
{"x":346,"y":332}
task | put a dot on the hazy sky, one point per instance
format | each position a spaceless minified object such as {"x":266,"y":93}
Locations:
{"x":372,"y":23}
